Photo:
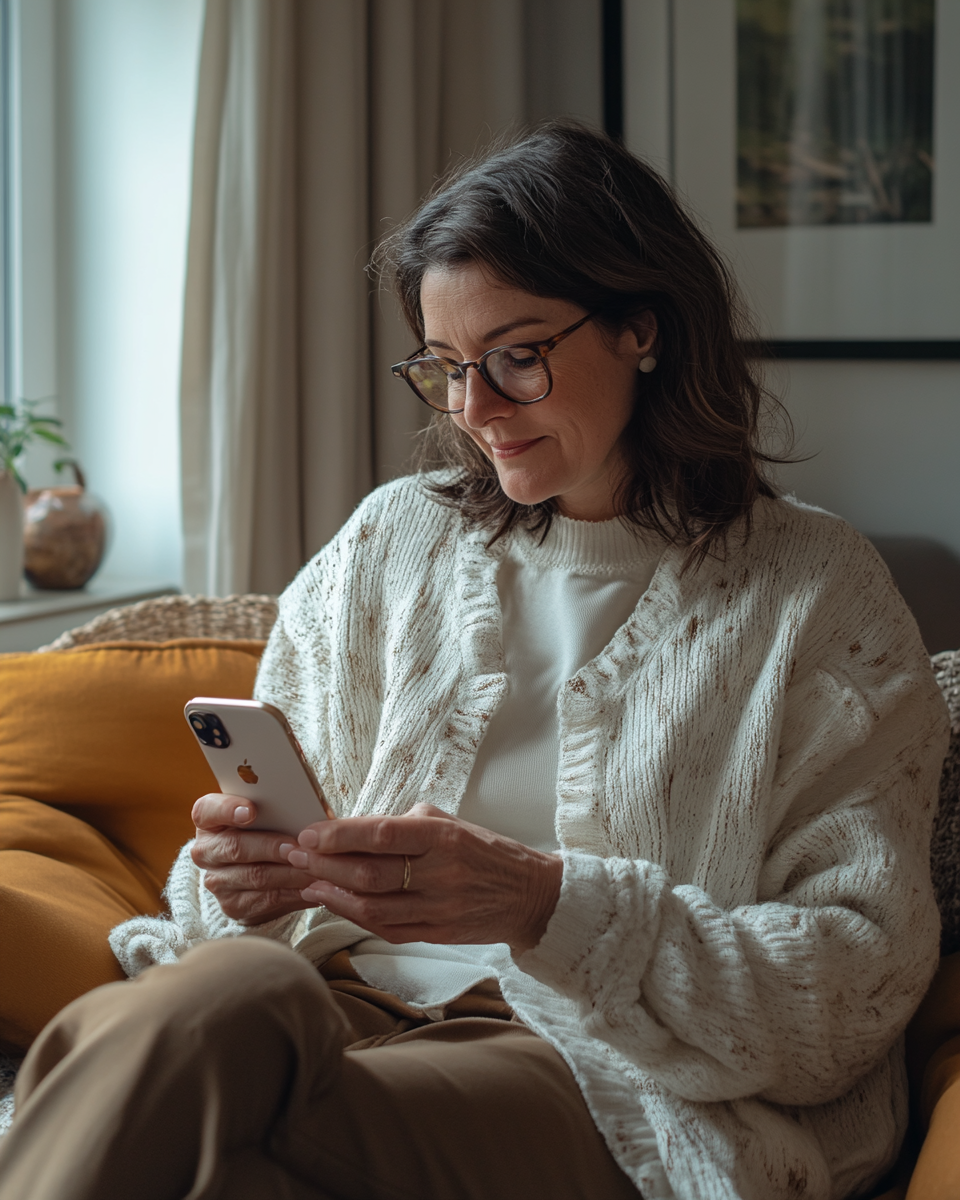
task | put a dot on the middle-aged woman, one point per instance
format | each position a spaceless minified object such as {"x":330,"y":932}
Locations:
{"x":634,"y":762}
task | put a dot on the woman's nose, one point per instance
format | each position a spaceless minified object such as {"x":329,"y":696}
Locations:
{"x":481,"y":403}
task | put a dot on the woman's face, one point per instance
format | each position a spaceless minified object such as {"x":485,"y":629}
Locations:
{"x":566,"y":446}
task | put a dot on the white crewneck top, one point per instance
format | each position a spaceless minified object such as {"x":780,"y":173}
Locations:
{"x":562,"y":602}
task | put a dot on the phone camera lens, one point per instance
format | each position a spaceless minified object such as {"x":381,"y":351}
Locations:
{"x":210,"y":730}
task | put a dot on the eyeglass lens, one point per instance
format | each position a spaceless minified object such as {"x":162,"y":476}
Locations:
{"x":519,"y":373}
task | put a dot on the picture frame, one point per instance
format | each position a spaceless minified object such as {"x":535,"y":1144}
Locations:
{"x":872,"y":290}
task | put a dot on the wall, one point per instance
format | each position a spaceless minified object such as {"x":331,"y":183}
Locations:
{"x":886,"y":436}
{"x":127,"y":81}
{"x":563,"y":56}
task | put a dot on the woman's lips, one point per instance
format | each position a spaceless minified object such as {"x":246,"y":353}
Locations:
{"x":512,"y":449}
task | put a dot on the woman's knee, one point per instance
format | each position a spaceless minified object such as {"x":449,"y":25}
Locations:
{"x":245,"y":964}
{"x":220,"y":993}
{"x":225,"y":1009}
{"x":234,"y":980}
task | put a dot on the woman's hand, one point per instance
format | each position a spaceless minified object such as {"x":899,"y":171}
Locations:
{"x":247,"y":869}
{"x":466,"y":884}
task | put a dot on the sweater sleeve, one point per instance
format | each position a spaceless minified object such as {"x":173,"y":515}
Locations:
{"x":195,"y":916}
{"x":797,"y":995}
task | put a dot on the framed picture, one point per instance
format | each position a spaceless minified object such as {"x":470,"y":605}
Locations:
{"x":819,"y":143}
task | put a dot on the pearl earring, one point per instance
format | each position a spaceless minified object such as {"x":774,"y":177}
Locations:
{"x":647,"y":364}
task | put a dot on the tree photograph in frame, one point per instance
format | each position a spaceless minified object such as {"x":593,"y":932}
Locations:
{"x":834,"y":111}
{"x":816,"y":142}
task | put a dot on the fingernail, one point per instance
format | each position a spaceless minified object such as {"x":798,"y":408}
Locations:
{"x":286,"y":847}
{"x":241,"y":813}
{"x":297,"y":858}
{"x":309,"y":838}
{"x":311,"y":895}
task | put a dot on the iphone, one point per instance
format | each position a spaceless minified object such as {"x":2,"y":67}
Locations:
{"x":253,"y":753}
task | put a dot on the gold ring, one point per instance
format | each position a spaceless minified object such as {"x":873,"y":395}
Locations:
{"x":406,"y":874}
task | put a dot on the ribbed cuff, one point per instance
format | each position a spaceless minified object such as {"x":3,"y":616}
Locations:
{"x":582,"y":916}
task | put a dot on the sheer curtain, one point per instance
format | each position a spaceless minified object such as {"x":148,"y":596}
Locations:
{"x":319,"y":124}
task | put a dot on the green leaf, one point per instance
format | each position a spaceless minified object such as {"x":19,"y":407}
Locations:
{"x":20,"y":426}
{"x":49,"y":436}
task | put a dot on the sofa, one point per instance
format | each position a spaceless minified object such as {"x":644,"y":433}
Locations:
{"x":98,"y":772}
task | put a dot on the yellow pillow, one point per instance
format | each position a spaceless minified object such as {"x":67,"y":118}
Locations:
{"x":62,"y":889}
{"x":98,"y":731}
{"x":100,"y":771}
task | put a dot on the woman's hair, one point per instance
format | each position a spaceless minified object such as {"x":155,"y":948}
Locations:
{"x":565,"y":212}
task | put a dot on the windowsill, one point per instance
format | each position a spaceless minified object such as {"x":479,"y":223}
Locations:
{"x":40,"y":616}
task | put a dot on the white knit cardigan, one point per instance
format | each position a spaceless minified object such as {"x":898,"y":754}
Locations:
{"x":744,"y":802}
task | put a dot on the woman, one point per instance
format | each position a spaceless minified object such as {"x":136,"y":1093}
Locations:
{"x":635,"y":764}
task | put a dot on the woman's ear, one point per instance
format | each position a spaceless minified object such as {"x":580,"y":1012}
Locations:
{"x":642,"y":334}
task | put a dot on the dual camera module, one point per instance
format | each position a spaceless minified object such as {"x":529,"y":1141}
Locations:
{"x":210,"y":729}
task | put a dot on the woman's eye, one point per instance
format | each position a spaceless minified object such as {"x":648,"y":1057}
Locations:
{"x":520,"y":360}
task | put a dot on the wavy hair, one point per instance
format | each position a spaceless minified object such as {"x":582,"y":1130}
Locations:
{"x":563,"y":211}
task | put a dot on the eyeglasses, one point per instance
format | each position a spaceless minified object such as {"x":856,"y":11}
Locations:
{"x":518,"y":372}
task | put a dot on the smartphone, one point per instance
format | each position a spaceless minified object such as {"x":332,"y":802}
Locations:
{"x":253,"y":753}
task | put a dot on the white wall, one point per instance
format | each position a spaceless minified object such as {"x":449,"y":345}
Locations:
{"x":563,"y":57}
{"x":886,"y":436}
{"x":127,"y":82}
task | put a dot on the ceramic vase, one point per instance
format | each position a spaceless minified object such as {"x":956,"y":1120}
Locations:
{"x":65,"y":534}
{"x":11,"y":537}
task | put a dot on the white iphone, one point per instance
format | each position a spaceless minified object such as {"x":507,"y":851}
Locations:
{"x":253,"y":753}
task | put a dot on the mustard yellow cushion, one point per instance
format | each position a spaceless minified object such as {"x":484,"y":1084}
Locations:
{"x":63,"y":887}
{"x":936,"y":1022}
{"x":98,"y":732}
{"x":937,"y":1173}
{"x":99,"y":771}
{"x":933,"y":1063}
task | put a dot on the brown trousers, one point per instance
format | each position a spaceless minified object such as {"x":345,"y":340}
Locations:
{"x":241,"y":1074}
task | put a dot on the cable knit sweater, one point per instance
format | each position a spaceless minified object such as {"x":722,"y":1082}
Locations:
{"x":744,"y":802}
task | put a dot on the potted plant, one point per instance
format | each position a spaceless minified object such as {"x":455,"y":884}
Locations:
{"x":20,"y":425}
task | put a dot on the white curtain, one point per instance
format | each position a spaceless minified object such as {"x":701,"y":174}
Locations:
{"x":319,"y":124}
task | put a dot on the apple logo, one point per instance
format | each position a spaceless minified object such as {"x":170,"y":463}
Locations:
{"x":247,"y":773}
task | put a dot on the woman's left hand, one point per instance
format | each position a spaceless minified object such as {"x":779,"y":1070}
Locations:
{"x":466,"y":885}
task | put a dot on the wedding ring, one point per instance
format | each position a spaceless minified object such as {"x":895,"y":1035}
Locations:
{"x":406,"y":874}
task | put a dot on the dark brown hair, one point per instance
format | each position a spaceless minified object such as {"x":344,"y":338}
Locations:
{"x":563,"y":211}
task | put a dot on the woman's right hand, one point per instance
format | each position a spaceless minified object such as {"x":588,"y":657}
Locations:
{"x":246,"y":869}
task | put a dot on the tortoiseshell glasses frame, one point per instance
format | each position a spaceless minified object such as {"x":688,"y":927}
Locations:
{"x":430,"y":376}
